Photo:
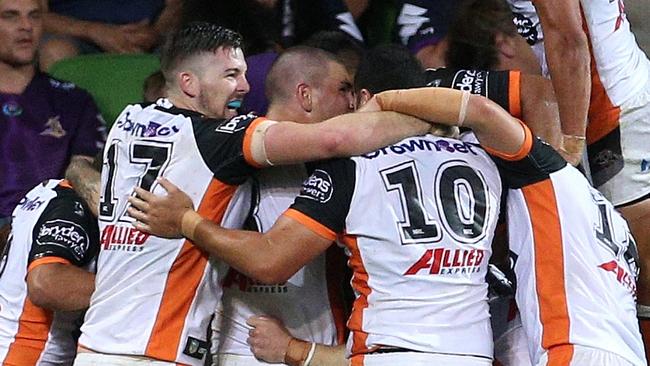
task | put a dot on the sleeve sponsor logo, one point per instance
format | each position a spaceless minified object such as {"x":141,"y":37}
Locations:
{"x":30,"y":204}
{"x":236,"y":124}
{"x":526,"y":28}
{"x":64,"y":234}
{"x":472,"y":81}
{"x":318,"y":187}
{"x":152,"y":129}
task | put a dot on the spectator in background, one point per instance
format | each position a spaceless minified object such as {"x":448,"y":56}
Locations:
{"x":118,"y":26}
{"x":422,"y":26}
{"x":154,"y":87}
{"x":46,"y":123}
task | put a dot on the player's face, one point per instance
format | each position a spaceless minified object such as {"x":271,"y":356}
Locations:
{"x":334,"y":96}
{"x":21,"y":26}
{"x":223,"y":84}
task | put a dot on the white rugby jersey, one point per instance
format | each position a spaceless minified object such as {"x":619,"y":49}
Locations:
{"x":304,"y":303}
{"x":621,"y":68}
{"x":51,"y":224}
{"x":154,"y":297}
{"x":417,"y":219}
{"x":574,"y":259}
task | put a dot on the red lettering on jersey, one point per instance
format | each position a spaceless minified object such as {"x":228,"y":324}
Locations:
{"x":622,"y":276}
{"x":444,"y":259}
{"x":122,"y":235}
{"x":422,"y":263}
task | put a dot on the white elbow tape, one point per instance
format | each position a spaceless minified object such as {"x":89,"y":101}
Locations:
{"x":462,"y":111}
{"x":258,"y":150}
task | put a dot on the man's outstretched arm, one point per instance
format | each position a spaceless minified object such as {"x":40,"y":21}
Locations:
{"x":341,"y":136}
{"x":567,"y":54}
{"x":270,"y":257}
{"x":494,"y":127}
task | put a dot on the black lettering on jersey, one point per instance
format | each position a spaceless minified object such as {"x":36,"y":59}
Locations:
{"x":235,"y":124}
{"x":318,"y":187}
{"x":64,"y":234}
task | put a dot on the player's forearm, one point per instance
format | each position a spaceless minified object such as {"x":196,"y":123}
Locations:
{"x":85,"y":180}
{"x":246,"y":251}
{"x":539,"y":109}
{"x":329,"y":356}
{"x":67,"y":26}
{"x":345,"y":135}
{"x":569,"y":67}
{"x":567,"y":55}
{"x":60,"y":287}
{"x":169,"y":18}
{"x":494,"y":127}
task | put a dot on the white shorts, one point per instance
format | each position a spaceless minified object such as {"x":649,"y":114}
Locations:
{"x":587,"y":356}
{"x":99,"y":359}
{"x":225,"y":359}
{"x":420,"y":359}
{"x":633,"y":180}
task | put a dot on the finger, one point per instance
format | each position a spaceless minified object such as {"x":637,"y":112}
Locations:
{"x":143,"y":194}
{"x":139,"y":204}
{"x":138,"y":215}
{"x":169,"y":186}
{"x":142,"y":227}
{"x":255,"y":320}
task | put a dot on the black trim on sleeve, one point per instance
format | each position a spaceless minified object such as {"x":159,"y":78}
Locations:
{"x":66,"y":229}
{"x":541,"y":161}
{"x":221,"y":144}
{"x":327,"y":193}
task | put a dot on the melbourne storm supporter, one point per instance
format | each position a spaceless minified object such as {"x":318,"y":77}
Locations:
{"x":45,"y":122}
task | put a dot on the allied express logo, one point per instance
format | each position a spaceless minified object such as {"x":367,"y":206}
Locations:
{"x":123,"y":238}
{"x":442,"y":261}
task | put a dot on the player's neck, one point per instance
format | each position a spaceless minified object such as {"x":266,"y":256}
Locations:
{"x":15,"y":78}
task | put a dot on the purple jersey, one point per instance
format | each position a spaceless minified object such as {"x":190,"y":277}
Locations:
{"x":40,"y":130}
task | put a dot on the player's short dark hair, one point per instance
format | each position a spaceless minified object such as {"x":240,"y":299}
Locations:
{"x":387,"y":67}
{"x":345,"y":47}
{"x":472,"y":36}
{"x":299,"y":62}
{"x":193,"y":39}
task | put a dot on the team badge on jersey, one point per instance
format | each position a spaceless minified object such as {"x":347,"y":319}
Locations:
{"x":235,"y":124}
{"x":54,"y":128}
{"x":63,"y":233}
{"x":12,"y":109}
{"x":318,"y":187}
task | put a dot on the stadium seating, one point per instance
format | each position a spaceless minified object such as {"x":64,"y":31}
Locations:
{"x":113,"y":80}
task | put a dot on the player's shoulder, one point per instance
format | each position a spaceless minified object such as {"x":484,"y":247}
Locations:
{"x":62,"y":88}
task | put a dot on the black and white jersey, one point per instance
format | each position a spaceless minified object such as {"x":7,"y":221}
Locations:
{"x":51,"y":224}
{"x":417,"y":219}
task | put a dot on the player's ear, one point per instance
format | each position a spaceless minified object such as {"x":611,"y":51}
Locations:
{"x":189,"y":83}
{"x":363,"y":96}
{"x":304,"y":95}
